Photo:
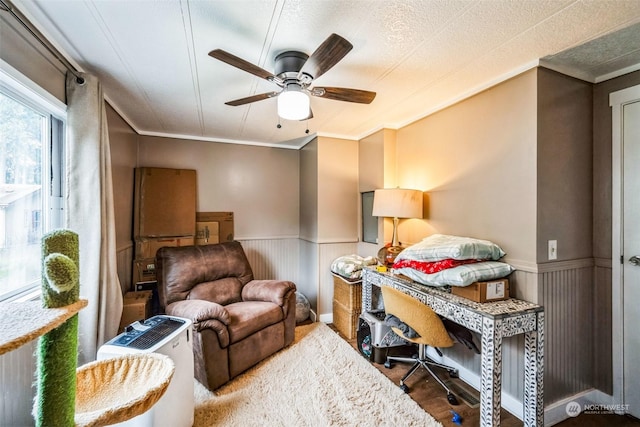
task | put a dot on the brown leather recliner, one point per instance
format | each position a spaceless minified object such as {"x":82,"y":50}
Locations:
{"x":238,"y":321}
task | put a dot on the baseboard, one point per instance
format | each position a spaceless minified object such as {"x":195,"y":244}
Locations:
{"x":326,"y":318}
{"x":559,"y":411}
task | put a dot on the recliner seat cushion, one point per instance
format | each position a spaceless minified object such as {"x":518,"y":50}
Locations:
{"x":248,"y":317}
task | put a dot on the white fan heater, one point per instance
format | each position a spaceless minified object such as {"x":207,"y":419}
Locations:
{"x":170,"y":336}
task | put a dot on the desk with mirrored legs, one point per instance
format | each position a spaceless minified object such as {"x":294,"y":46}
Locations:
{"x":493,"y":321}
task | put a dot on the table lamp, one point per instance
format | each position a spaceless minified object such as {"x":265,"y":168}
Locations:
{"x":395,"y":203}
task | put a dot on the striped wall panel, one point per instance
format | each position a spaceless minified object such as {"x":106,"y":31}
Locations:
{"x":307,"y":282}
{"x":17,"y":374}
{"x":567,"y":296}
{"x":273,"y":258}
{"x":602,"y":329}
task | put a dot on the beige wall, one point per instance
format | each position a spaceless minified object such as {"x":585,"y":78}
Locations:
{"x":565,"y":170}
{"x":477,"y":161}
{"x":329,"y":190}
{"x":328,"y":215}
{"x":309,"y":191}
{"x":371,"y":160}
{"x":259,"y":184}
{"x":337,"y":190}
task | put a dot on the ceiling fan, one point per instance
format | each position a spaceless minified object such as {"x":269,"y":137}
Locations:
{"x":294,"y":73}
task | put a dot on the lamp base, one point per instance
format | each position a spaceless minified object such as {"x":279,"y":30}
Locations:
{"x":387,"y":255}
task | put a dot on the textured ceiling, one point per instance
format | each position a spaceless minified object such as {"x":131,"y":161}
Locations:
{"x":419,"y":56}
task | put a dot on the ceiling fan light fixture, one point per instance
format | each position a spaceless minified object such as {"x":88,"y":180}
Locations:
{"x":293,"y":103}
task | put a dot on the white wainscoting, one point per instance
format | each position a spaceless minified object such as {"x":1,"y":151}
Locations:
{"x":17,"y":375}
{"x":273,"y":258}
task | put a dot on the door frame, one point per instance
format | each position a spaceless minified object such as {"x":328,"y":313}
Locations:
{"x":617,"y":100}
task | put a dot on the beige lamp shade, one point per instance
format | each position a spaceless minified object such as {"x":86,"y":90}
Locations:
{"x":397,"y":203}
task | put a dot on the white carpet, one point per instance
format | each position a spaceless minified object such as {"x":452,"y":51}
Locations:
{"x":320,"y":380}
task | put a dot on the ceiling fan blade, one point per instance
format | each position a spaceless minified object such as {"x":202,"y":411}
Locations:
{"x":241,"y":63}
{"x":344,"y":94}
{"x":332,"y":50}
{"x":253,"y":98}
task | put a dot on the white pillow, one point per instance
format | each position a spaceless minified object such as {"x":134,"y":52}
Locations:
{"x":441,"y":246}
{"x":462,"y":275}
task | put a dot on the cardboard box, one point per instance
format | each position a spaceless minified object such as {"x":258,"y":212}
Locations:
{"x":493,"y":290}
{"x":225,"y":225}
{"x":164,"y":202}
{"x":207,"y":233}
{"x":136,"y":306}
{"x":144,"y":270}
{"x":146,"y":247}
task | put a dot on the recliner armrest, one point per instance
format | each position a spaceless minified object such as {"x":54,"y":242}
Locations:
{"x":275,"y":291}
{"x":204,"y":315}
{"x":198,"y":311}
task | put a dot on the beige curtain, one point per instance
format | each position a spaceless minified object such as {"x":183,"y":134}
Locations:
{"x":90,"y":213}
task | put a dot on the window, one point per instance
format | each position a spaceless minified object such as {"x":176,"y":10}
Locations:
{"x":31,"y":190}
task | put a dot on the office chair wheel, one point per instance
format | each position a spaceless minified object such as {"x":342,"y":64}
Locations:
{"x":452,"y":399}
{"x":387,"y":364}
{"x":404,"y":388}
{"x":453,"y":373}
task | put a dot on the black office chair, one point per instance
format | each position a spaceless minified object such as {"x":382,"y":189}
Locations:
{"x":428,"y":325}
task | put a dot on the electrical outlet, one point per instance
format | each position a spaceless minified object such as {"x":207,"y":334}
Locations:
{"x":553,"y":249}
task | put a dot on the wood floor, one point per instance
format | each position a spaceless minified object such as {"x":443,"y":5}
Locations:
{"x":433,"y":399}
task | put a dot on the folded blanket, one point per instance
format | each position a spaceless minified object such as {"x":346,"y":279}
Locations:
{"x":462,"y":275}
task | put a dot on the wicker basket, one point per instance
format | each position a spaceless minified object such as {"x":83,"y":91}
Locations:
{"x":345,"y":321}
{"x":347,"y":305}
{"x":347,"y":293}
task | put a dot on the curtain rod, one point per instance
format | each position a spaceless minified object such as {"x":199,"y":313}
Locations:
{"x":6,"y":6}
